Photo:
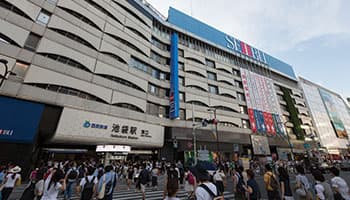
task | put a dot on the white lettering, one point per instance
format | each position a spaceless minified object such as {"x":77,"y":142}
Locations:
{"x":230,"y":44}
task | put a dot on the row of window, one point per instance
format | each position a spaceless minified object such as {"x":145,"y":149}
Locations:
{"x":156,"y":73}
{"x":159,"y":59}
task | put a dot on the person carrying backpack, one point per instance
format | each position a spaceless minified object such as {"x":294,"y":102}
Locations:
{"x":71,"y":177}
{"x":107,"y":184}
{"x":205,"y":189}
{"x":271,"y":184}
{"x":239,"y":183}
{"x":87,"y":186}
{"x":323,"y":189}
{"x":144,"y":179}
{"x":252,"y":187}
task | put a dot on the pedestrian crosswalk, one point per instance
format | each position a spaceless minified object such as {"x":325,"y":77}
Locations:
{"x":150,"y":195}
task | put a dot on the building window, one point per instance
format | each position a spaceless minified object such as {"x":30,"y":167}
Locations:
{"x":152,"y":89}
{"x":181,"y":66}
{"x":181,"y":81}
{"x":240,"y":96}
{"x":182,"y":96}
{"x":52,"y":1}
{"x":181,"y":53}
{"x":43,"y":17}
{"x":238,"y":84}
{"x":245,"y":123}
{"x":243,"y":109}
{"x":162,"y":76}
{"x":210,"y":63}
{"x":211,"y":76}
{"x":159,"y":44}
{"x":159,"y":59}
{"x":236,"y":72}
{"x":19,"y":71}
{"x":32,"y":42}
{"x":213,"y":89}
{"x":182,"y":114}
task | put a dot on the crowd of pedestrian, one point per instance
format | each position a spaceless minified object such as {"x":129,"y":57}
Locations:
{"x":90,"y":180}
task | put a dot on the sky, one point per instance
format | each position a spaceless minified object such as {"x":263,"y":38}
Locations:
{"x":311,"y":35}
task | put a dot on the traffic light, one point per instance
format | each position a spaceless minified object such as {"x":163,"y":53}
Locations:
{"x":205,"y":122}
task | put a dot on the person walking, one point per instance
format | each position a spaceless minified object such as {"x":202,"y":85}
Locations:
{"x":252,"y":187}
{"x":302,"y":185}
{"x":189,"y":183}
{"x":71,"y":177}
{"x":340,"y":187}
{"x":12,"y":179}
{"x":155,"y":174}
{"x":144,"y":179}
{"x":53,"y":184}
{"x":323,"y":189}
{"x":107,"y":183}
{"x":172,"y":186}
{"x":130,"y":176}
{"x":219,"y":178}
{"x":271,"y":184}
{"x":39,"y":185}
{"x":286,"y":192}
{"x":87,"y":185}
{"x":205,"y":190}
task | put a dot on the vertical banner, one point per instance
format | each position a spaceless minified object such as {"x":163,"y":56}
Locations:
{"x":261,"y":97}
{"x":174,"y":78}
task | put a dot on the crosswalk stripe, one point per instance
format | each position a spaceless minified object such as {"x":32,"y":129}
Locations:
{"x":150,"y":195}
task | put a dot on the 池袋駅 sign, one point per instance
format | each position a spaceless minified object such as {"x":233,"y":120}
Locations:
{"x":78,"y":126}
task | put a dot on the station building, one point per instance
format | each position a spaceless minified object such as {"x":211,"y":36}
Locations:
{"x":116,"y":72}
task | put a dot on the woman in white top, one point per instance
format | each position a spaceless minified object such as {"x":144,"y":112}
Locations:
{"x":53,"y":184}
{"x":10,"y":182}
{"x":219,"y":178}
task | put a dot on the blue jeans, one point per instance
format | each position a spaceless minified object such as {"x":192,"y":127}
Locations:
{"x":69,"y":190}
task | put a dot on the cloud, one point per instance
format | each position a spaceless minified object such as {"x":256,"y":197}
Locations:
{"x":271,"y":25}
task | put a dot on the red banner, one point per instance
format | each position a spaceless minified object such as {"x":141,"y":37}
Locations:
{"x":252,"y":120}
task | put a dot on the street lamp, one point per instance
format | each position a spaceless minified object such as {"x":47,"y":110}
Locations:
{"x":213,"y":109}
{"x":3,"y":77}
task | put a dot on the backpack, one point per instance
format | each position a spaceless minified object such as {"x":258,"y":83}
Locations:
{"x":73,"y":174}
{"x":211,"y":193}
{"x":273,"y":183}
{"x":88,"y":189}
{"x":29,"y":192}
{"x":81,"y":172}
{"x":144,"y":177}
{"x":240,"y":183}
{"x":190,"y":178}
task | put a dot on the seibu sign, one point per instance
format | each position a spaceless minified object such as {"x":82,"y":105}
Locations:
{"x":82,"y":127}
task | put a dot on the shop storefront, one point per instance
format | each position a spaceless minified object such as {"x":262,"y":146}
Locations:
{"x":19,"y":125}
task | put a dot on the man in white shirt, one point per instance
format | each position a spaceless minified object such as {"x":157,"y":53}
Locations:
{"x":205,"y":190}
{"x":340,"y":187}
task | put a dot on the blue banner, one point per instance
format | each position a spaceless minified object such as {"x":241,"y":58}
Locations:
{"x":258,"y":121}
{"x":19,"y":120}
{"x":220,"y":38}
{"x":262,"y":121}
{"x":174,"y":78}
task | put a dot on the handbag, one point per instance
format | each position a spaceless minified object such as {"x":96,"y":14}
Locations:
{"x":301,"y":191}
{"x":101,"y":193}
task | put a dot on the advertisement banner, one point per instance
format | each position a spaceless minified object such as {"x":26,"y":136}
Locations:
{"x":331,"y":108}
{"x":174,"y":110}
{"x":252,"y":120}
{"x":19,"y":120}
{"x":260,"y":145}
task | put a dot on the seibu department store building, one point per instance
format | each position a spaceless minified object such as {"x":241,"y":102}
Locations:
{"x":116,"y":72}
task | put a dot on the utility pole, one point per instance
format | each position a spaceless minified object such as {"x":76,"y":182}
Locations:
{"x":194,"y":136}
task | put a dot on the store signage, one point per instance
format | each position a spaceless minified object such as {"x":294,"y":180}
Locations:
{"x":220,"y":38}
{"x":6,"y":132}
{"x":19,"y":120}
{"x":243,"y":48}
{"x":77,"y":126}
